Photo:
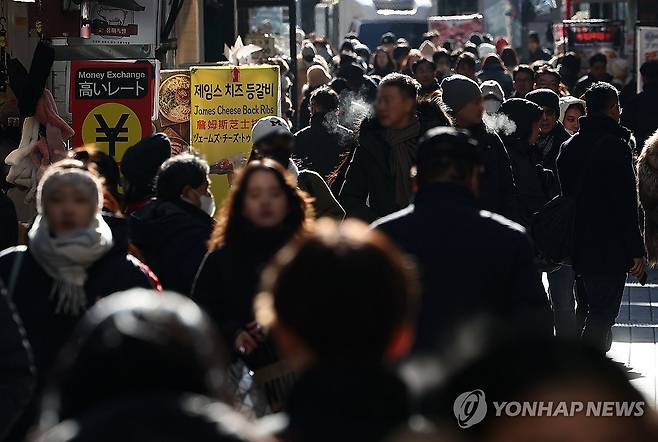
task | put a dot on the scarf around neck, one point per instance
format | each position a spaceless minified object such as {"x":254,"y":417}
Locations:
{"x":66,"y":258}
{"x":403,"y":156}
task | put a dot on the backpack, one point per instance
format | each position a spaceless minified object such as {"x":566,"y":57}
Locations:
{"x":552,"y":228}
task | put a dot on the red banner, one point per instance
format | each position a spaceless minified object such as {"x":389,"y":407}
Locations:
{"x":111,"y":103}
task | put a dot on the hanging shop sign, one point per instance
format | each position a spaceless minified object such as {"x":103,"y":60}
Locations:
{"x":647,"y":49}
{"x":111,"y":103}
{"x":226,"y":101}
{"x":125,"y":22}
{"x":587,"y":37}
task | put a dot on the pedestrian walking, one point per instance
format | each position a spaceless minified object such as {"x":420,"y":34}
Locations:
{"x":598,"y":64}
{"x":423,"y":71}
{"x":551,"y":131}
{"x":484,"y":258}
{"x":272,"y":138}
{"x":73,"y":258}
{"x":647,"y":185}
{"x":343,"y":339}
{"x":595,"y":167}
{"x":324,"y":144}
{"x":172,"y":230}
{"x":571,"y":109}
{"x":524,"y":80}
{"x":263,"y":211}
{"x":493,"y":69}
{"x":641,"y":115}
{"x":463,"y":98}
{"x":378,"y":181}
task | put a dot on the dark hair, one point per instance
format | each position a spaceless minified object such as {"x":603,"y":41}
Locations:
{"x":524,"y":69}
{"x":466,"y":58}
{"x":492,"y":60}
{"x":509,"y":57}
{"x":390,"y":62}
{"x":360,"y":281}
{"x":177,"y":172}
{"x":431,"y":111}
{"x":408,"y":86}
{"x":326,"y":98}
{"x":649,"y":70}
{"x":546,"y":70}
{"x":446,"y":154}
{"x":102,"y":164}
{"x":171,"y":346}
{"x":439,"y":54}
{"x":419,"y":62}
{"x":534,"y":36}
{"x":524,"y":113}
{"x":231,"y":222}
{"x":599,"y":97}
{"x":598,"y":58}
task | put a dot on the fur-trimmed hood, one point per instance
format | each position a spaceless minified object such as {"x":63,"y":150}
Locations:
{"x":647,"y":186}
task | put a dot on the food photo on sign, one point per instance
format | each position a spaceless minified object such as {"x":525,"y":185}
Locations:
{"x":174,"y":104}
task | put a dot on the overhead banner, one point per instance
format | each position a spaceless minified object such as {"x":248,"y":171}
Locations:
{"x":226,"y":101}
{"x":111,"y":103}
{"x":127,"y":22}
{"x":647,"y":49}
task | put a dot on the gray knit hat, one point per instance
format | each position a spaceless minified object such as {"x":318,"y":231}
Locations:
{"x":69,"y":173}
{"x":458,"y":91}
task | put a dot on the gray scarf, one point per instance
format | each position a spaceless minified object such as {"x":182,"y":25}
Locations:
{"x":66,"y":258}
{"x":403,"y":157}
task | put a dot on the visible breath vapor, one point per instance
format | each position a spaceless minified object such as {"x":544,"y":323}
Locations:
{"x":353,"y":109}
{"x":499,"y":123}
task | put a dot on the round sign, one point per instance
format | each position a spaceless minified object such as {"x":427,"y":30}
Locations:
{"x":113,"y":128}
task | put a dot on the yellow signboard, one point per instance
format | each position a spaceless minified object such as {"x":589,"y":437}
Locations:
{"x":112,"y":127}
{"x":226,"y":101}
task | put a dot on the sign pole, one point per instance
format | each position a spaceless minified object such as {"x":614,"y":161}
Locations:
{"x":292,"y":11}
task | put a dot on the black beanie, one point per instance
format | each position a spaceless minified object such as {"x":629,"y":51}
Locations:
{"x":545,"y":98}
{"x":523,"y":113}
{"x":142,"y":161}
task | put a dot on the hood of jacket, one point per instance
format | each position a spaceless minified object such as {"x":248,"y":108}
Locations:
{"x":162,"y":219}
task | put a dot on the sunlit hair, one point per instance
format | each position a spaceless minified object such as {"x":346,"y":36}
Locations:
{"x":231,"y":222}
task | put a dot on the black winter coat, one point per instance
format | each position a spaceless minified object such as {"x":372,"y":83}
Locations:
{"x":532,"y":190}
{"x":17,"y":373}
{"x":47,"y":331}
{"x":498,"y":73}
{"x":229,"y":279}
{"x":497,"y":190}
{"x":552,"y":141}
{"x":472,"y":263}
{"x":641,"y":116}
{"x":598,"y":159}
{"x":350,"y":402}
{"x":368,"y":192}
{"x":173,"y":237}
{"x":8,"y":221}
{"x":322,"y":145}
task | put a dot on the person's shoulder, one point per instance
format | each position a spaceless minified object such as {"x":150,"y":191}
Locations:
{"x":7,"y":256}
{"x":303,"y":132}
{"x":343,"y":130}
{"x":310,"y":177}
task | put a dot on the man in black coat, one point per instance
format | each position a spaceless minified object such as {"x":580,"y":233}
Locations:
{"x":641,"y":116}
{"x":473,"y":264}
{"x":378,"y":181}
{"x":172,"y":230}
{"x":597,"y":72}
{"x":596,"y":168}
{"x":464,"y":100}
{"x":551,"y":132}
{"x":322,"y":145}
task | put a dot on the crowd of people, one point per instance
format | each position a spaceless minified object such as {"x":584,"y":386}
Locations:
{"x":373,"y":260}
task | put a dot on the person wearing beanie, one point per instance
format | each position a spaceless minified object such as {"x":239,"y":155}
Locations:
{"x":72,"y":259}
{"x":533,"y":189}
{"x":493,"y":69}
{"x":551,"y":131}
{"x":486,"y":49}
{"x":139,"y":165}
{"x":492,"y":96}
{"x":316,"y":76}
{"x":388,"y":42}
{"x":535,"y":51}
{"x":463,"y":98}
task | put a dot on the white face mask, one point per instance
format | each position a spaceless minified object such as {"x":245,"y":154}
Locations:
{"x":208,"y":204}
{"x":491,"y":106}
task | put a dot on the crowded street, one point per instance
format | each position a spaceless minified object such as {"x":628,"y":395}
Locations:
{"x":324,"y":220}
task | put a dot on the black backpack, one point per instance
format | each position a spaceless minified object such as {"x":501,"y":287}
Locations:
{"x":552,"y":227}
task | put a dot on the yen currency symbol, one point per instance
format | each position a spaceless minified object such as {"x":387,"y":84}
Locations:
{"x":112,"y":134}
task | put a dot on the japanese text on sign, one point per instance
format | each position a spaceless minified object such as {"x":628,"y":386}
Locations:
{"x":99,"y":83}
